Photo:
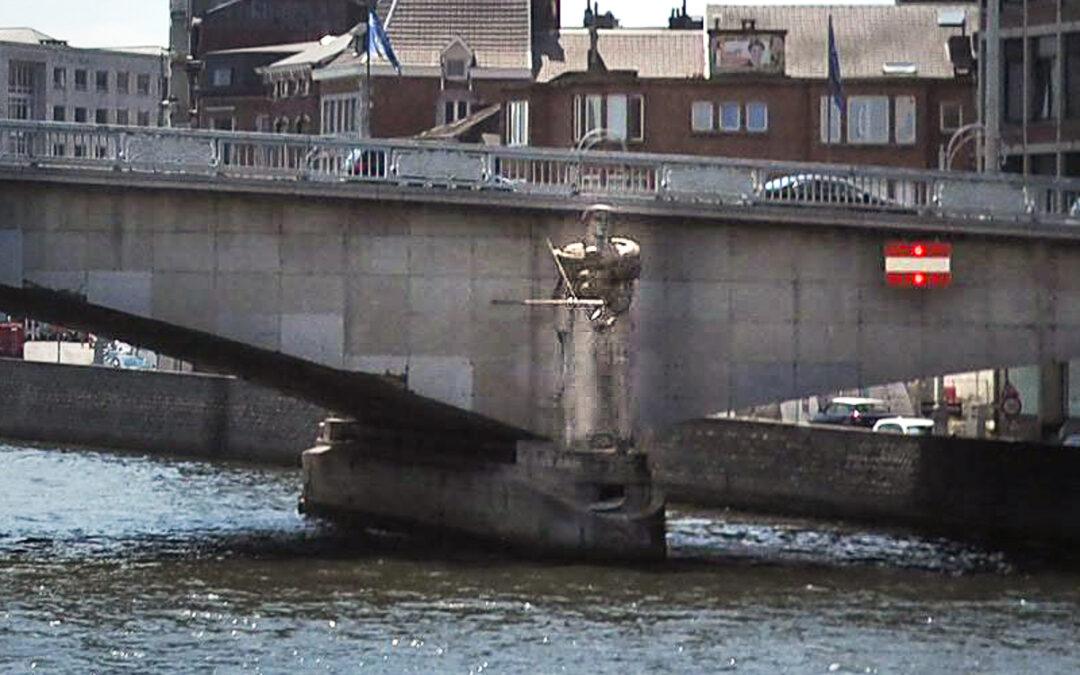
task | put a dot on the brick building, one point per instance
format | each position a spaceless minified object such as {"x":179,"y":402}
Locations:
{"x":688,"y":92}
{"x":242,"y":35}
{"x":1031,"y":100}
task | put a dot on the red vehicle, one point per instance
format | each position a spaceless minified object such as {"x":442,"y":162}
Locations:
{"x":12,"y":337}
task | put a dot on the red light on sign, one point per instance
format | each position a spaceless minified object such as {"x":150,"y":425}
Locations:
{"x":918,"y":264}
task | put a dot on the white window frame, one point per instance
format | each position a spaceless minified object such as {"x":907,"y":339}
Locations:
{"x":730,"y":105}
{"x":837,"y":132}
{"x":856,"y":117}
{"x":339,"y":114}
{"x":945,"y":105}
{"x":517,"y":123}
{"x":765,"y":109}
{"x":222,"y":77}
{"x":906,"y":111}
{"x":705,"y":112}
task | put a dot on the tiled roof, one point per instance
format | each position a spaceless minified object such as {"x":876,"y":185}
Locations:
{"x":496,"y":30}
{"x":24,"y":35}
{"x":288,"y":48}
{"x":867,"y":36}
{"x":653,"y":53}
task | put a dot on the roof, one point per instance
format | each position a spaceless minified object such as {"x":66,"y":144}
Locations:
{"x":497,"y":31}
{"x":288,"y":48}
{"x":653,"y":53}
{"x":322,"y":52}
{"x":454,"y":130}
{"x":856,"y":400}
{"x":867,"y":36}
{"x":24,"y":35}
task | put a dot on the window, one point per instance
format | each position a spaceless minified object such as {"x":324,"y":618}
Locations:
{"x":222,"y":77}
{"x":122,"y":117}
{"x":905,"y":120}
{"x":1043,"y":67}
{"x":1014,"y":80}
{"x":122,"y":81}
{"x":454,"y":111}
{"x":831,"y":120}
{"x":59,"y":78}
{"x":20,"y":90}
{"x":80,"y":114}
{"x":222,"y":124}
{"x":757,"y":117}
{"x":868,"y":119}
{"x":701,"y":116}
{"x":144,"y":118}
{"x":1072,"y":75}
{"x":101,"y":116}
{"x":455,"y":69}
{"x":340,"y":114}
{"x":622,"y":116}
{"x":80,"y":80}
{"x":143,"y":85}
{"x":262,"y":123}
{"x":101,"y":79}
{"x":59,"y":113}
{"x":517,"y":123}
{"x":952,"y":116}
{"x":730,"y":116}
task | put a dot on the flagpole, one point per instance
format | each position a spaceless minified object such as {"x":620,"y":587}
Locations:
{"x":367,"y":79}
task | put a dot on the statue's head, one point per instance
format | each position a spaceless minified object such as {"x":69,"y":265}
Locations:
{"x":597,"y":219}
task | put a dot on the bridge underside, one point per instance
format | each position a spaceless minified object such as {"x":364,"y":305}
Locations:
{"x":375,"y":400}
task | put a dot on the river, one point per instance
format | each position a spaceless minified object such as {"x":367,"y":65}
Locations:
{"x":116,"y":562}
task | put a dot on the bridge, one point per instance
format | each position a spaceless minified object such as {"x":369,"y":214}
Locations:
{"x":340,"y":256}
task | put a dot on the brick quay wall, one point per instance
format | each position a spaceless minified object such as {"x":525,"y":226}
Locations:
{"x":154,"y":411}
{"x":977,"y":487}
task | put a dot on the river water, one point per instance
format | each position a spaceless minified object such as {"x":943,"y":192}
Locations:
{"x":119,"y":562}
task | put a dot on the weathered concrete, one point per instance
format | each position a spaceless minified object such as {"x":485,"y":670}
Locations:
{"x":974,"y":487}
{"x":730,"y":312}
{"x":156,"y":412}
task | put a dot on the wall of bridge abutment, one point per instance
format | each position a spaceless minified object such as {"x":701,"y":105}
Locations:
{"x":730,"y":313}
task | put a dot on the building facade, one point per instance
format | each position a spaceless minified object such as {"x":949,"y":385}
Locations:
{"x":1030,"y":96}
{"x":753,"y":84}
{"x":48,"y":80}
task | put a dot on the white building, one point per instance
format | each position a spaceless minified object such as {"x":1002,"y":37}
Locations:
{"x":48,"y":80}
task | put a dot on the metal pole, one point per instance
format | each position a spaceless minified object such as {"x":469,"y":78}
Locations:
{"x":992,"y":88}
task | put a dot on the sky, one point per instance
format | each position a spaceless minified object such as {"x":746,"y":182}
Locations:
{"x":124,"y":23}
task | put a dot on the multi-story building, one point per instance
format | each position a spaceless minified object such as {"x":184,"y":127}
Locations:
{"x":1030,"y":86}
{"x":457,"y":57}
{"x":48,"y":80}
{"x":753,"y":84}
{"x":206,"y":33}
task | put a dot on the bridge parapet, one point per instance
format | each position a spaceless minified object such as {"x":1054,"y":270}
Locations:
{"x":540,"y":173}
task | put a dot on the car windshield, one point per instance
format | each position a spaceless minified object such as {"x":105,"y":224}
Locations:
{"x":919,"y":431}
{"x":872,"y":407}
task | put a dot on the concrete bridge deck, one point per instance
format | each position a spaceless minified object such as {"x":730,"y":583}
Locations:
{"x":389,"y":261}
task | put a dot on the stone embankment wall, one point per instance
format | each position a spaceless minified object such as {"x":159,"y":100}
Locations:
{"x":975,"y":486}
{"x":201,"y":415}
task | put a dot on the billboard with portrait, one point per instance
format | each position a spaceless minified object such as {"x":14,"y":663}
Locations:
{"x":747,"y":52}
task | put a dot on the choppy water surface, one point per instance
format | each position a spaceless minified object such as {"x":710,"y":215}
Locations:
{"x":114,"y":562}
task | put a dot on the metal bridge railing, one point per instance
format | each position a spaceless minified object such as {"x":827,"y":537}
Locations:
{"x":612,"y":176}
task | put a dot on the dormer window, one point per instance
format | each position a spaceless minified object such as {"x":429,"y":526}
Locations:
{"x":456,"y":60}
{"x":455,"y":69}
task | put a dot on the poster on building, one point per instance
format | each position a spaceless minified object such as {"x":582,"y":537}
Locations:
{"x":742,"y":51}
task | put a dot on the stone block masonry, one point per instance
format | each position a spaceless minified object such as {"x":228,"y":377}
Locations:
{"x":975,"y":487}
{"x":158,"y":412}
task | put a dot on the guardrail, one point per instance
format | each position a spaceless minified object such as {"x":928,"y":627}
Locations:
{"x":611,"y":176}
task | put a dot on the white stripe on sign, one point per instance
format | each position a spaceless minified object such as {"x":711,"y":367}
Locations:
{"x":928,"y":265}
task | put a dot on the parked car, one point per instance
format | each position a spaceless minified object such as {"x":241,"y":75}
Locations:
{"x":366,"y":163}
{"x":1071,"y":441}
{"x":811,"y":188}
{"x":127,"y":361}
{"x":908,"y":426}
{"x":853,"y":411}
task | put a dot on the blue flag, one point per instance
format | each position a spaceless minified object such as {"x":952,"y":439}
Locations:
{"x":378,"y":42}
{"x":836,"y":87}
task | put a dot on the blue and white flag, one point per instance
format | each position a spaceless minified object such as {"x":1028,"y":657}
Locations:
{"x":836,"y":87}
{"x":378,"y":42}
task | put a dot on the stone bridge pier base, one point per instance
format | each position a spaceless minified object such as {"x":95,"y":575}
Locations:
{"x":1053,"y":397}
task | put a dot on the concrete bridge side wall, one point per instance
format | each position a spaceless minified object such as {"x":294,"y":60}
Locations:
{"x":729,"y":314}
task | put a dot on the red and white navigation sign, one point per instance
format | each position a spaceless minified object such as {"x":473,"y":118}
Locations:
{"x":918,"y":264}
